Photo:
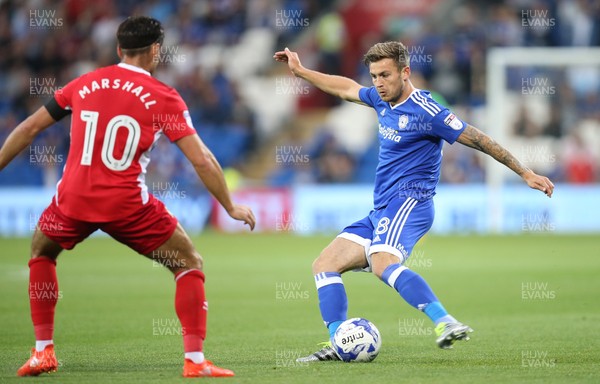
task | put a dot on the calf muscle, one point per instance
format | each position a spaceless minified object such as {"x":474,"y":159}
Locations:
{"x":178,"y":254}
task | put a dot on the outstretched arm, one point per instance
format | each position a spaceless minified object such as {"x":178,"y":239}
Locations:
{"x":474,"y":138}
{"x":23,"y":135}
{"x":208,"y":169}
{"x":339,"y":86}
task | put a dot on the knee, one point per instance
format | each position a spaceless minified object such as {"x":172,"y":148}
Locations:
{"x":41,"y":251}
{"x":378,"y":268}
{"x":182,"y":261}
{"x":36,"y":252}
{"x":317,"y":266}
{"x":324,"y":263}
{"x":379,"y":272}
{"x":194,"y":261}
{"x":41,"y":246}
{"x":380,"y":261}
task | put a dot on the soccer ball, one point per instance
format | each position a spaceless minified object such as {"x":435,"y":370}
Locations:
{"x":356,"y":340}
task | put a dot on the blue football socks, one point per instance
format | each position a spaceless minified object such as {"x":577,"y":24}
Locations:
{"x":333,"y":301}
{"x":415,"y":290}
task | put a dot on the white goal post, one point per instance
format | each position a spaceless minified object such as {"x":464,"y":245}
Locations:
{"x":498,"y":60}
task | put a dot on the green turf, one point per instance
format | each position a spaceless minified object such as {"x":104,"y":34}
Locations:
{"x":115,"y":319}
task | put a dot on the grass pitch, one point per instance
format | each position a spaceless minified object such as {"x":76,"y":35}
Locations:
{"x":532,"y":300}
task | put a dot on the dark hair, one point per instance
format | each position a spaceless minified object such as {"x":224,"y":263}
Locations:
{"x":137,"y":33}
{"x":394,"y":50}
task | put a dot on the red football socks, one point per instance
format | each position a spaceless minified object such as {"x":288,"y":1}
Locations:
{"x":43,"y":295}
{"x":190,"y":302}
{"x":191,"y":308}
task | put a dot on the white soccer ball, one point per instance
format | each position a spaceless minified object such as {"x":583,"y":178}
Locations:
{"x":357,"y":340}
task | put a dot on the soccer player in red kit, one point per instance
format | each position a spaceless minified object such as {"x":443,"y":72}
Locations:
{"x":117,"y":114}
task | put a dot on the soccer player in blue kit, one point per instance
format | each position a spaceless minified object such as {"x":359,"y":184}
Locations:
{"x":412,"y":129}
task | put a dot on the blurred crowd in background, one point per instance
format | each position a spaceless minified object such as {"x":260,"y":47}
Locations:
{"x":45,"y":44}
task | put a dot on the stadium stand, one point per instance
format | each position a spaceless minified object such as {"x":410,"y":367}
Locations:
{"x":218,"y":55}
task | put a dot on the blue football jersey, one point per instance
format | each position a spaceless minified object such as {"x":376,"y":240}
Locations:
{"x":410,"y":144}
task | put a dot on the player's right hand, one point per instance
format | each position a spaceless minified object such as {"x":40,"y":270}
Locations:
{"x":287,"y":56}
{"x":243,"y":213}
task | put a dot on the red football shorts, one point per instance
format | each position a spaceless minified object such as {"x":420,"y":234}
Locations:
{"x":145,"y":231}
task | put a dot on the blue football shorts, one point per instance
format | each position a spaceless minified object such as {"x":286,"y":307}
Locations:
{"x":395,"y":228}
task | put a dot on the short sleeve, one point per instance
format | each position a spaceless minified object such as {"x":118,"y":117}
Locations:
{"x":178,"y":123}
{"x":368,"y":95}
{"x":447,"y":126}
{"x":63,"y":96}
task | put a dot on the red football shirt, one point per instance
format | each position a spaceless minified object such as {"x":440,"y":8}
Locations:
{"x":118,"y":114}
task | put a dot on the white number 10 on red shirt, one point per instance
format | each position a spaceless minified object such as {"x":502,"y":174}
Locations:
{"x":110,"y":138}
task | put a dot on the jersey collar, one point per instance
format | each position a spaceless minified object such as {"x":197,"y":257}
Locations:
{"x":134,"y":68}
{"x":399,"y":104}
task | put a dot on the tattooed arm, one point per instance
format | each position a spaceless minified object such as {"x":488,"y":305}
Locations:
{"x":474,"y":138}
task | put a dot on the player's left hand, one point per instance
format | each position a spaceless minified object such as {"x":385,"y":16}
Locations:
{"x":541,"y":183}
{"x":243,"y":213}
